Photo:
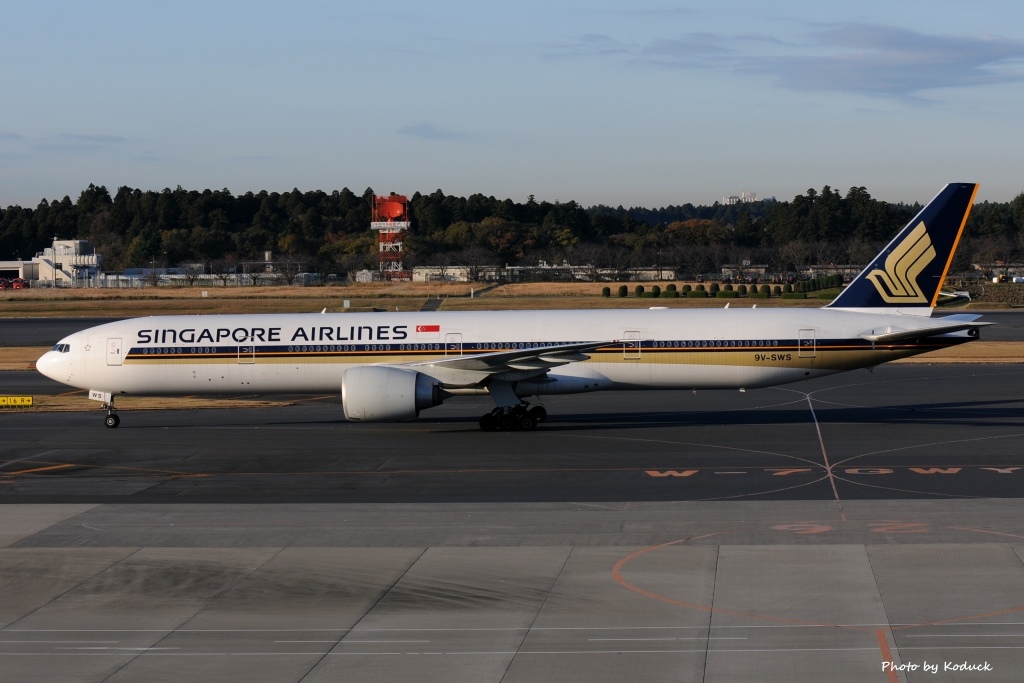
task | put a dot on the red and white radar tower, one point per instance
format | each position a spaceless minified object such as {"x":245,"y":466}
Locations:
{"x":390,"y":218}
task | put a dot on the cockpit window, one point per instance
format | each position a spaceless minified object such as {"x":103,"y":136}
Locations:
{"x":61,"y":348}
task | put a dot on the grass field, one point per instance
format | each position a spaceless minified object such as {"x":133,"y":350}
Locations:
{"x":79,"y":402}
{"x":400,"y":296}
{"x":387,"y":296}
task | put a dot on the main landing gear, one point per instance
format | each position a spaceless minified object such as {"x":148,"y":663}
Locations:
{"x":520,"y":418}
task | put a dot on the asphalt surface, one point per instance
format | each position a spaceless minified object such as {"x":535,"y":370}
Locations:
{"x":43,"y":331}
{"x":902,"y":431}
{"x":827,"y":530}
{"x":1009,"y":325}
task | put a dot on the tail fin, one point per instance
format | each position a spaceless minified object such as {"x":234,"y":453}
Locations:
{"x":909,"y":272}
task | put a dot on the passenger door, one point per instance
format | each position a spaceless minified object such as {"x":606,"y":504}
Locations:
{"x":453,"y":344}
{"x":808,"y":344}
{"x":246,"y":354}
{"x":114,"y":351}
{"x":631,"y":345}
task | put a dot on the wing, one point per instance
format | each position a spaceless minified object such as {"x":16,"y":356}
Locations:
{"x":507,"y":365}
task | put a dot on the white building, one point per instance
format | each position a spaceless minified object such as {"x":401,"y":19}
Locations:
{"x":68,"y":263}
{"x":26,"y":270}
{"x":741,"y":198}
{"x":441,"y":274}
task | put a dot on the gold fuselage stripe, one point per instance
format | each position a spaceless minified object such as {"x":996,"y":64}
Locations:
{"x":838,"y":356}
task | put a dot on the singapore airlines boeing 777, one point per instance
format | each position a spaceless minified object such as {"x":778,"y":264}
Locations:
{"x":390,"y":366}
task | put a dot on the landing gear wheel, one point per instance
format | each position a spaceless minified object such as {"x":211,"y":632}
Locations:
{"x":488,"y":422}
{"x":518,"y":419}
{"x":112,"y":420}
{"x":525,"y":422}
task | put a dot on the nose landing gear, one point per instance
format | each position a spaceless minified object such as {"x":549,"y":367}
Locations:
{"x":106,"y":400}
{"x":111,"y":420}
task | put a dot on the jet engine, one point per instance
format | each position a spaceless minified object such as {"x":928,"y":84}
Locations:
{"x":377,"y":393}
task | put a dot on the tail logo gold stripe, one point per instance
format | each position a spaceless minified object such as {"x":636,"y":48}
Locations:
{"x":897,"y":284}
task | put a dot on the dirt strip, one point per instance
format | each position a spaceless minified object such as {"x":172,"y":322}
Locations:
{"x":20,"y":357}
{"x":78,"y":402}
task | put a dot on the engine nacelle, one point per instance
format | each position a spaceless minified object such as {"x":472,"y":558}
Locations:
{"x":375,"y":393}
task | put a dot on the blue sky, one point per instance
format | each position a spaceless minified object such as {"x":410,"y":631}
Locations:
{"x":633,"y":103}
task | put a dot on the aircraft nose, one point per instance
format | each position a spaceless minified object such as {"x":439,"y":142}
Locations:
{"x":45,"y":363}
{"x":50,"y":364}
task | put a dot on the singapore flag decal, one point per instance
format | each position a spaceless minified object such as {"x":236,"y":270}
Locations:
{"x":428,"y":331}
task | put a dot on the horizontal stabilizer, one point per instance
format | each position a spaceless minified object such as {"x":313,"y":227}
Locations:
{"x":936,"y":327}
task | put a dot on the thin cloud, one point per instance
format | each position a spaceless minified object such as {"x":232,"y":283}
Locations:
{"x":885,"y":61}
{"x":77,"y":144}
{"x":5,"y":135}
{"x":255,"y":159}
{"x":590,"y":45}
{"x":694,"y":50}
{"x":867,"y":59}
{"x":428,"y":131}
{"x":75,"y":138}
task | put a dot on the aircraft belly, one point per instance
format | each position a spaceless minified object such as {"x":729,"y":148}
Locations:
{"x":177,"y":379}
{"x":688,"y":376}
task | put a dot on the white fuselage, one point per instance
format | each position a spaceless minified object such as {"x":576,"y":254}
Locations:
{"x":307,"y":353}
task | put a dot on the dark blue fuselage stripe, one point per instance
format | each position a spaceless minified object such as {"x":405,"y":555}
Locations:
{"x":435,"y":348}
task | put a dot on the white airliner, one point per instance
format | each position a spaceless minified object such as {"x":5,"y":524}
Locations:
{"x":390,"y":366}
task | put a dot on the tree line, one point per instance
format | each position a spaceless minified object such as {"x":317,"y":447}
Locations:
{"x":329,"y":232}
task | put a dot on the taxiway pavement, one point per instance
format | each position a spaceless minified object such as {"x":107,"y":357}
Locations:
{"x":812,"y":532}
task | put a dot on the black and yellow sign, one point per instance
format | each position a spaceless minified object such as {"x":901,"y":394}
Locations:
{"x":15,"y":401}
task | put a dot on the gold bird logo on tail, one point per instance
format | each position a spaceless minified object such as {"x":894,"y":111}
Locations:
{"x":897,"y":284}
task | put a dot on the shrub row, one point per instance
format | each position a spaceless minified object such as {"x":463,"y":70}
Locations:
{"x":727,"y":291}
